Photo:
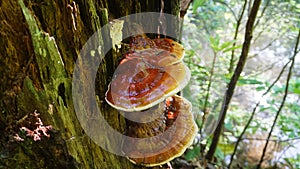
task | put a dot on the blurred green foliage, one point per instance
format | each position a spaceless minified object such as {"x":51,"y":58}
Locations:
{"x":208,"y":37}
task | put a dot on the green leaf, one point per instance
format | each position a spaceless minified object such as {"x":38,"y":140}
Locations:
{"x":263,"y":108}
{"x":214,"y":43}
{"x":225,"y":45}
{"x":295,"y":86}
{"x":233,"y":48}
{"x":198,"y":122}
{"x":226,"y":148}
{"x":193,"y":153}
{"x":197,"y":4}
{"x":219,"y":154}
{"x":260,"y":88}
{"x":243,"y":81}
{"x":278,"y":89}
{"x":228,"y":126}
{"x":296,"y":91}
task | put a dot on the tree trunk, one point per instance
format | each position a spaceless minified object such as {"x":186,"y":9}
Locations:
{"x":39,"y":44}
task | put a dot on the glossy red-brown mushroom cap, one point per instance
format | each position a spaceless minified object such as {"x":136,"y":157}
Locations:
{"x":141,"y":42}
{"x":175,"y":48}
{"x":169,"y":144}
{"x":145,"y":78}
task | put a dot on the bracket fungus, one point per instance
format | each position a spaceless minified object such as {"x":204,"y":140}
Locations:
{"x":148,"y":75}
{"x":166,"y":137}
{"x":146,"y":82}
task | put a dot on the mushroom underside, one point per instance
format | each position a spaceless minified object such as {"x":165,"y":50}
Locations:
{"x":158,"y":142}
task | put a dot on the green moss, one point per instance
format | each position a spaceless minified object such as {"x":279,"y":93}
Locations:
{"x":23,"y":160}
{"x":56,"y":90}
{"x":48,"y":57}
{"x":37,"y":99}
{"x":94,"y":16}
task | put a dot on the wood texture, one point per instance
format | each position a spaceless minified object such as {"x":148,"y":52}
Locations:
{"x":39,"y":44}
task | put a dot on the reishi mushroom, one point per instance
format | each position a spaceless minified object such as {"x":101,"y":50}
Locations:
{"x":148,"y":75}
{"x":145,"y":84}
{"x":168,"y":136}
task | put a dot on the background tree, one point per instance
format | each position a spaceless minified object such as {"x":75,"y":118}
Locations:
{"x":214,"y":38}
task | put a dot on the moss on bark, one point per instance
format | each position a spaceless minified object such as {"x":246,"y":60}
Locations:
{"x":39,"y":44}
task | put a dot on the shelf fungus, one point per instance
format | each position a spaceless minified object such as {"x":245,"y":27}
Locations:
{"x":167,"y":137}
{"x":160,"y":124}
{"x":150,"y":73}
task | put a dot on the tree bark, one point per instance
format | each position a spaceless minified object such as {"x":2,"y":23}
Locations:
{"x":39,"y":44}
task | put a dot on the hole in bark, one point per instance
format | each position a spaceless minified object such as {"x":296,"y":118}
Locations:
{"x":46,"y":76}
{"x":61,"y":93}
{"x":39,"y":14}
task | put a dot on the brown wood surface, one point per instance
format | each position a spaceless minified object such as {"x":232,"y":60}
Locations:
{"x":34,"y":36}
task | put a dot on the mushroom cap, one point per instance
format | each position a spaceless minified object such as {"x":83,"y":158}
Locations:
{"x":146,"y":77}
{"x":142,"y":42}
{"x":167,"y":145}
{"x":175,"y":48}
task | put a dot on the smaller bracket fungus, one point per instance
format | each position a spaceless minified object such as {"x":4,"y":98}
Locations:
{"x":148,"y":75}
{"x":165,"y":138}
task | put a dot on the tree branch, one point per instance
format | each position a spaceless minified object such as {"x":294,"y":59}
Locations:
{"x":230,"y":9}
{"x":262,"y":14}
{"x":274,"y":140}
{"x":240,"y":138}
{"x":232,"y":58}
{"x":234,"y":78}
{"x":205,"y":111}
{"x":286,"y":148}
{"x":283,"y":101}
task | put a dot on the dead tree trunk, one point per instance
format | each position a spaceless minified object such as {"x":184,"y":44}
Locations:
{"x":39,"y":44}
